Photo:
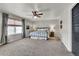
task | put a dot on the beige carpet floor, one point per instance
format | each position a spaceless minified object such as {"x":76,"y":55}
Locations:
{"x":30,"y":47}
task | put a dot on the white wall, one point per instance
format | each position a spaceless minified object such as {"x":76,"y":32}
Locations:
{"x":0,"y":25}
{"x":27,"y":22}
{"x":66,"y":32}
{"x":46,"y":22}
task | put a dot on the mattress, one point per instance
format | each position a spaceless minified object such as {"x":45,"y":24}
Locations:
{"x":40,"y":33}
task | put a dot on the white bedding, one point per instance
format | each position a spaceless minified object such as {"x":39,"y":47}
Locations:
{"x":40,"y":34}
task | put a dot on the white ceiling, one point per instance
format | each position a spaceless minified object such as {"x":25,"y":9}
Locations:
{"x":50,"y":10}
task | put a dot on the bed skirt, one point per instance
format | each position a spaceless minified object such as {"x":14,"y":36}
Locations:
{"x":40,"y":38}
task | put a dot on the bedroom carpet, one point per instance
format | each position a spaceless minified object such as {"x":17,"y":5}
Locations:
{"x":30,"y":47}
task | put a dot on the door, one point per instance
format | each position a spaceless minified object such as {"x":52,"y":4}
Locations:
{"x":75,"y":29}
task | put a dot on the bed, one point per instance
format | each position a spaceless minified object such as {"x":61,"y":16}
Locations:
{"x":40,"y":33}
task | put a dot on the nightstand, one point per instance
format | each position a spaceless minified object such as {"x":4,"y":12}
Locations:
{"x":51,"y":34}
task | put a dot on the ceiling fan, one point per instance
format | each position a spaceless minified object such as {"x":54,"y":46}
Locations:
{"x":37,"y":13}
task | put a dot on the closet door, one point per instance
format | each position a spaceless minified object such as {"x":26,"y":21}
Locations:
{"x":75,"y":30}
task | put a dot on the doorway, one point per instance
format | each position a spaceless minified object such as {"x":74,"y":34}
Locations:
{"x":75,"y":29}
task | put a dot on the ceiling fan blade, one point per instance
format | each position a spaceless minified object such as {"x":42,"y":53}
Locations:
{"x":34,"y":13}
{"x":40,"y":14}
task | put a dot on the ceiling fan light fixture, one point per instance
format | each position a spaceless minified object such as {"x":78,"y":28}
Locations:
{"x":35,"y":17}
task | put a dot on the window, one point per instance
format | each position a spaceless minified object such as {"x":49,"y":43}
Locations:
{"x":18,"y":22}
{"x":11,"y":30}
{"x":18,"y":29}
{"x":11,"y":22}
{"x":14,"y":26}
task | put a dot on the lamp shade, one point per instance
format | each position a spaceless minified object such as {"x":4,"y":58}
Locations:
{"x":52,"y":28}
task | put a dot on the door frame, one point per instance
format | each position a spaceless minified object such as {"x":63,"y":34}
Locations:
{"x":72,"y":24}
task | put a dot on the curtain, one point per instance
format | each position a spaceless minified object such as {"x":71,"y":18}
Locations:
{"x":4,"y":28}
{"x":23,"y":23}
